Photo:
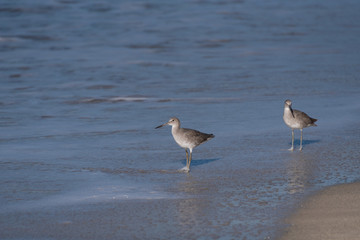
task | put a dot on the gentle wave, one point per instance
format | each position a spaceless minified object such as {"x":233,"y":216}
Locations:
{"x":94,"y":194}
{"x":150,"y":99}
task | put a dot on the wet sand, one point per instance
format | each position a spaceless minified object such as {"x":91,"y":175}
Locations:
{"x":333,"y":213}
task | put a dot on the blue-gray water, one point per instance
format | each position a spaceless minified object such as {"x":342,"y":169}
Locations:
{"x":84,"y":83}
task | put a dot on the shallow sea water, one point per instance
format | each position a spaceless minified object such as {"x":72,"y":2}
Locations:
{"x":84,"y":83}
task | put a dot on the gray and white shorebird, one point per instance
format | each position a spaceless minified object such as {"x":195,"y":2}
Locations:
{"x":186,"y":138}
{"x":296,"y":119}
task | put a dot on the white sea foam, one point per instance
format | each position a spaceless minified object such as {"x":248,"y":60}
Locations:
{"x":8,"y":39}
{"x":184,"y":169}
{"x":94,"y":194}
{"x":128,"y":99}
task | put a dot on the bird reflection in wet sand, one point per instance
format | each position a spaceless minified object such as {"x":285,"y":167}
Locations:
{"x":296,"y":119}
{"x":186,"y":138}
{"x":299,"y":170}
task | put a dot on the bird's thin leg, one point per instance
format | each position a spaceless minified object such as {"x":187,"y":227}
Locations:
{"x":187,"y":157}
{"x":292,"y":140}
{"x":190,"y":158}
{"x":301,"y":138}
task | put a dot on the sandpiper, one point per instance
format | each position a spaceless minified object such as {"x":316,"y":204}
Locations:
{"x":186,"y":138}
{"x":296,"y":119}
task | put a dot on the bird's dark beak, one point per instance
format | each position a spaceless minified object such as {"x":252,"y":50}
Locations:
{"x":292,"y":112}
{"x":161,"y":126}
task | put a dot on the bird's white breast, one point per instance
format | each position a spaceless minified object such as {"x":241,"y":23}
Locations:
{"x":289,"y":119}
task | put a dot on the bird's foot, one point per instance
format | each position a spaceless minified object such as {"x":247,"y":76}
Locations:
{"x":184,"y":169}
{"x":291,"y":149}
{"x":300,"y":149}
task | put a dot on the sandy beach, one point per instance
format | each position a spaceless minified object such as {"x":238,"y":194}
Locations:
{"x":333,"y":213}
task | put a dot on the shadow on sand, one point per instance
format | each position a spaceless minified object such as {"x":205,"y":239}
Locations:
{"x":305,"y":142}
{"x":198,"y":162}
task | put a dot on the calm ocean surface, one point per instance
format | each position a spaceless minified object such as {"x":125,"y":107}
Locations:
{"x":84,"y":83}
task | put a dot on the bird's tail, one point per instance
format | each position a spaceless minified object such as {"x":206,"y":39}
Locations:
{"x":313,"y":120}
